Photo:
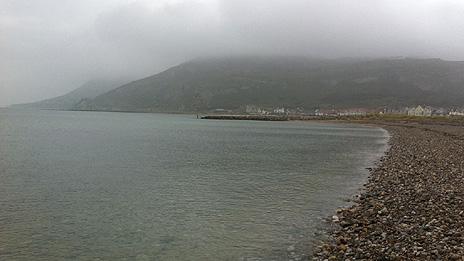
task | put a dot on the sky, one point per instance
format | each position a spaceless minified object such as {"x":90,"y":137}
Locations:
{"x":50,"y":47}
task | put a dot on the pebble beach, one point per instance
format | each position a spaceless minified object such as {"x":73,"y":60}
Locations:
{"x":412,"y":207}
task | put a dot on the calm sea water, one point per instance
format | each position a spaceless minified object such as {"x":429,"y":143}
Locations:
{"x":116,"y":186}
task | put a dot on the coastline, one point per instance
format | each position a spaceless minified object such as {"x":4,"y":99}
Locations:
{"x":412,"y":204}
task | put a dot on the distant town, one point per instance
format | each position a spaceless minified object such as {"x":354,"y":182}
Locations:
{"x":414,"y":110}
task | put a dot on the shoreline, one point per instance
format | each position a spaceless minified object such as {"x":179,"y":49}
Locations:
{"x":327,"y":226}
{"x":412,"y":204}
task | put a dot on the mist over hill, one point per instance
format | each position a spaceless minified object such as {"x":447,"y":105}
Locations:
{"x":233,"y":82}
{"x":88,"y":90}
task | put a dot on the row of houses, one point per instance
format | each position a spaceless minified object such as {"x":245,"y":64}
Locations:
{"x":419,"y":110}
{"x":256,"y":110}
{"x":456,"y":113}
{"x":344,"y":112}
{"x":433,"y":111}
{"x":252,"y":109}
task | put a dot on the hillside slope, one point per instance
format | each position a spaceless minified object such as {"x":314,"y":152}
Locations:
{"x":89,"y":90}
{"x":230,"y":83}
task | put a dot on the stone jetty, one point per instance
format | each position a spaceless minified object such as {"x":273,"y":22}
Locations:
{"x":246,"y":117}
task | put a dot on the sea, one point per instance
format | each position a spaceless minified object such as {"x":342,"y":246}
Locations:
{"x":146,"y":186}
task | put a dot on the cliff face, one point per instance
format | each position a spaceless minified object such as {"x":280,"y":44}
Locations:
{"x":230,"y":83}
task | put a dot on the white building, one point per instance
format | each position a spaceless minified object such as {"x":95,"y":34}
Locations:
{"x":251,"y":109}
{"x":420,"y":111}
{"x":279,"y":110}
{"x":262,"y":111}
{"x":456,"y":113}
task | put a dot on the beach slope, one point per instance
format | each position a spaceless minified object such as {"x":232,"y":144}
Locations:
{"x":412,"y":207}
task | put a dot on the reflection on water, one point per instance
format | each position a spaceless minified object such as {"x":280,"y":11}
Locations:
{"x":115,"y":186}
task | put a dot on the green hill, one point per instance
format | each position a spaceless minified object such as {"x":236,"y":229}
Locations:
{"x":230,"y":83}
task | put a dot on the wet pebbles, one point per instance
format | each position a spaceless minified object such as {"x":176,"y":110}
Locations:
{"x":412,"y":207}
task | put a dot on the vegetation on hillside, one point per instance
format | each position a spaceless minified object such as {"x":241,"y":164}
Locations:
{"x":231,"y":83}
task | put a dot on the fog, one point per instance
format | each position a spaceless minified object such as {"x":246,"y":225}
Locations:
{"x":50,"y":47}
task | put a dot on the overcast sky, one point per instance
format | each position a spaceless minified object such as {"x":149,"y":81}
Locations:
{"x":49,"y":47}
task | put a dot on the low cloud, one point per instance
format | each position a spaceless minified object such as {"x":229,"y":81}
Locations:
{"x":50,"y":47}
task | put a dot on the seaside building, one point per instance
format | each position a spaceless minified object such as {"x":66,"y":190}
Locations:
{"x":279,"y":110}
{"x":251,"y":109}
{"x":262,"y":111}
{"x":456,"y":113}
{"x":420,"y":111}
{"x":353,"y":112}
{"x":440,"y":111}
{"x":325,"y":112}
{"x":397,"y":111}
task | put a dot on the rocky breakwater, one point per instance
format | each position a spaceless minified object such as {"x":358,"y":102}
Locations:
{"x":246,"y":117}
{"x":412,"y":207}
